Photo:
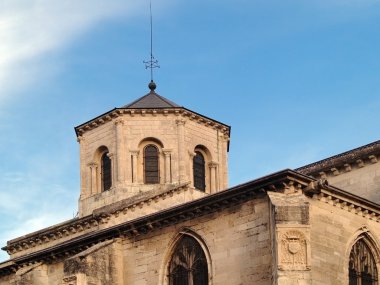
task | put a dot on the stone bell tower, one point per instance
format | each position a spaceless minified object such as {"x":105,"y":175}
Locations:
{"x":151,"y":144}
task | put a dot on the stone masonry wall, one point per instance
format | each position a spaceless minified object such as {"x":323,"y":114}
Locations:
{"x":362,"y":181}
{"x":333,"y":231}
{"x":237,"y":240}
{"x":176,"y":136}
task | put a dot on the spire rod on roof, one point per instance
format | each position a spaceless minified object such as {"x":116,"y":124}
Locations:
{"x":152,"y":63}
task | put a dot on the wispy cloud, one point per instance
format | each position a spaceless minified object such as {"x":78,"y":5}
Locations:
{"x":33,"y":195}
{"x":41,"y":191}
{"x":31,"y":29}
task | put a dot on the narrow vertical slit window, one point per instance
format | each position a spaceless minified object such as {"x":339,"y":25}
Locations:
{"x":199,"y":171}
{"x":106,"y":172}
{"x":188,"y":265}
{"x":151,"y":169}
{"x":362,"y":265}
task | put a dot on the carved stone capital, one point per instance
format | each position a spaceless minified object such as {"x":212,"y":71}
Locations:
{"x":212,"y":164}
{"x":180,"y":122}
{"x":92,"y":164}
{"x":192,"y":154}
{"x":134,"y":152}
{"x":166,"y":151}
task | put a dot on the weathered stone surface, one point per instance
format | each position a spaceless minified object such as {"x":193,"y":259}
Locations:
{"x":282,"y":229}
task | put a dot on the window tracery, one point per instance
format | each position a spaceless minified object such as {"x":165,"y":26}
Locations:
{"x":188,"y":265}
{"x":362,"y":265}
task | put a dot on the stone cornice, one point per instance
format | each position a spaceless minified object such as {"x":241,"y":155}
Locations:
{"x":185,"y":113}
{"x":320,"y":190}
{"x":54,"y":233}
{"x":90,"y":223}
{"x":286,"y":182}
{"x":344,"y":162}
{"x":351,"y":203}
{"x":279,"y":181}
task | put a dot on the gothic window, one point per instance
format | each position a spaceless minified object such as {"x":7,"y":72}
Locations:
{"x":151,"y":169}
{"x":362,"y":265}
{"x":188,"y":265}
{"x":106,"y":173}
{"x":199,"y":171}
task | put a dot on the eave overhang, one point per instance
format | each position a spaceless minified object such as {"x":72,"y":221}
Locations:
{"x":141,"y":226}
{"x":117,"y":112}
{"x":342,"y":162}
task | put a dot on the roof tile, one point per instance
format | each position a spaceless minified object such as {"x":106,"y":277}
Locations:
{"x":151,"y":101}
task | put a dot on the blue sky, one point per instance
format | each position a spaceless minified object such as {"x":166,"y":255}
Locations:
{"x":297,"y":80}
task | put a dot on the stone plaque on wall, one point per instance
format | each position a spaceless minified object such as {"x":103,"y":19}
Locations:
{"x":293,"y":248}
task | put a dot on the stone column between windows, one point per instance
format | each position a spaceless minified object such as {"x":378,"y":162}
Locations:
{"x":134,"y":155}
{"x":181,"y":150}
{"x":84,"y":176}
{"x":92,"y":178}
{"x":192,"y":155}
{"x":223,"y":183}
{"x":119,"y":151}
{"x":168,"y":175}
{"x":213,"y":181}
{"x":220,"y":157}
{"x":113,"y":169}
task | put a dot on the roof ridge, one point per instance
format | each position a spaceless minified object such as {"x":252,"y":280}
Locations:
{"x":166,"y":100}
{"x":152,"y":100}
{"x":135,"y":101}
{"x":351,"y":152}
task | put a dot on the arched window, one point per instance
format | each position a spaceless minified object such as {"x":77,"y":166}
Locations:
{"x":188,"y":265}
{"x":362,"y":265}
{"x":151,"y":169}
{"x":106,"y":173}
{"x":199,"y":171}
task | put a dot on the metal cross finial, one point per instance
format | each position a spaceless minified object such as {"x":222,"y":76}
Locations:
{"x":152,"y":63}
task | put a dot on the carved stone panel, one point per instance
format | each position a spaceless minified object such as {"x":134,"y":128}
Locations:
{"x":293,"y":249}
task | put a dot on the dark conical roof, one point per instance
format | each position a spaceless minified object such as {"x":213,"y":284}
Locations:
{"x":151,"y":101}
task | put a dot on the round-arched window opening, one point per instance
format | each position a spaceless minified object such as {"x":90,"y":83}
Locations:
{"x":151,"y":165}
{"x":106,"y":172}
{"x":199,"y":171}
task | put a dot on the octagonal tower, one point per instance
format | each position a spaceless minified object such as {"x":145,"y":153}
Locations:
{"x":150,"y":145}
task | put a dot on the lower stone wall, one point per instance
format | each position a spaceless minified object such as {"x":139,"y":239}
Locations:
{"x":333,"y":231}
{"x":237,"y":242}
